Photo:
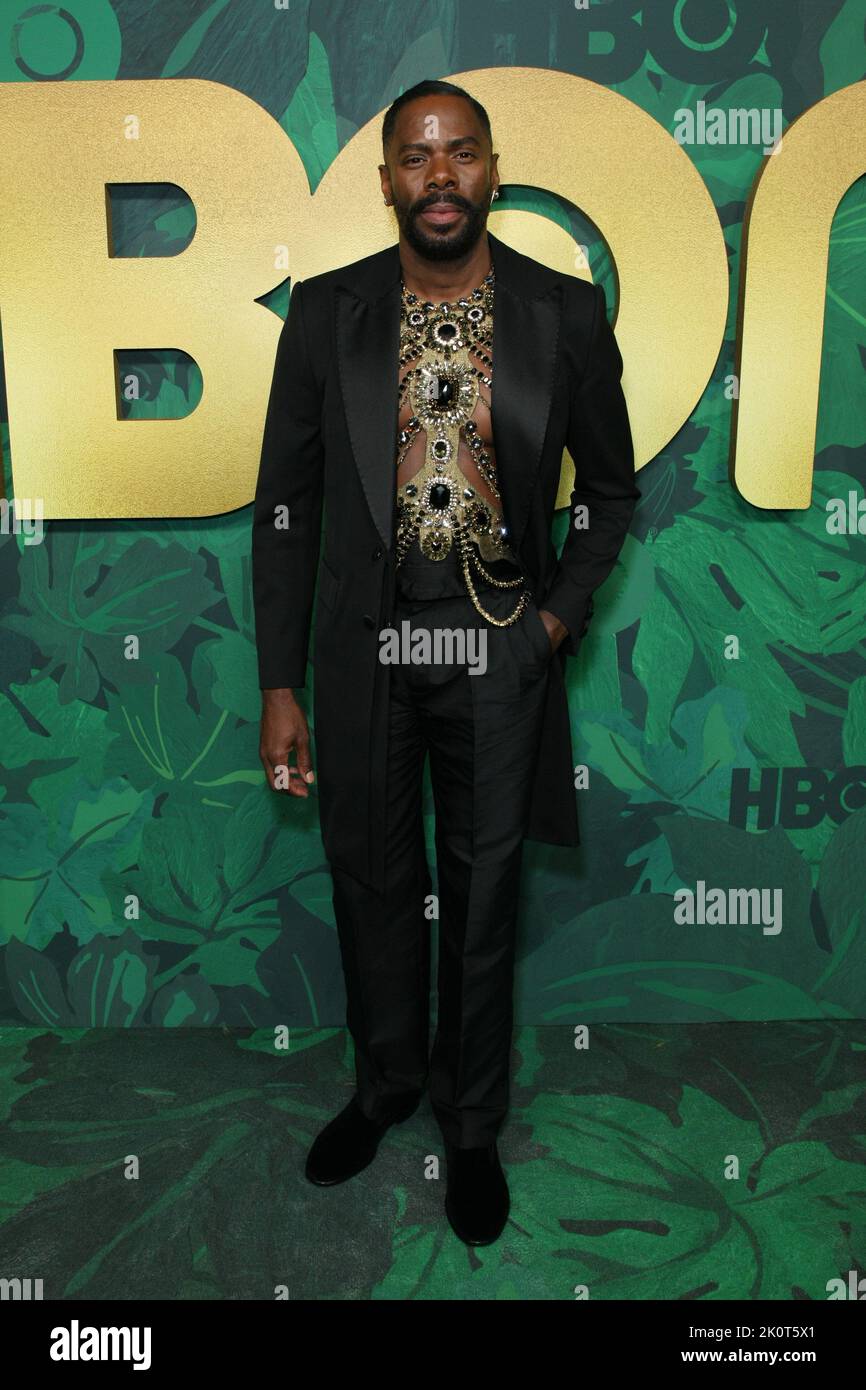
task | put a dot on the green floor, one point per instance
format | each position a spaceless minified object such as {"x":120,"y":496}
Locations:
{"x":616,"y":1156}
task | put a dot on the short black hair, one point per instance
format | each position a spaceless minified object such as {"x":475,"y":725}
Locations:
{"x":431,"y":87}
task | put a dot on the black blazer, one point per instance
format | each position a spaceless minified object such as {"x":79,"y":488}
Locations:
{"x":330,"y":442}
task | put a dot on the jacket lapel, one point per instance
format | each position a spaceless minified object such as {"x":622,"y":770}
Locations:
{"x":368,"y":345}
{"x":526,"y":315}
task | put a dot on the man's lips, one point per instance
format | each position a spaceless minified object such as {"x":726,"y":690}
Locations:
{"x":442,"y":214}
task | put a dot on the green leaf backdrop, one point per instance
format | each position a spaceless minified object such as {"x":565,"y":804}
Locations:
{"x":141,"y":778}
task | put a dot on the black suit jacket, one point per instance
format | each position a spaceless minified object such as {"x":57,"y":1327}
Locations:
{"x":330,"y":443}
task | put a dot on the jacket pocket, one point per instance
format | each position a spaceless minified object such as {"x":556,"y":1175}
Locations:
{"x":538,"y":632}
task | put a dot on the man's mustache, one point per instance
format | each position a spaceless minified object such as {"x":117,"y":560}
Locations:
{"x":440,"y":200}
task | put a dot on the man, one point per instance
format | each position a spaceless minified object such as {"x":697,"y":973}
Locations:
{"x":423,"y":396}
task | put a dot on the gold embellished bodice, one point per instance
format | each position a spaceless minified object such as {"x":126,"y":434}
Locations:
{"x":447,"y":488}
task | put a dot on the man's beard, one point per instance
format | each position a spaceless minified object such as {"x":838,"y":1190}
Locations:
{"x":449,"y":243}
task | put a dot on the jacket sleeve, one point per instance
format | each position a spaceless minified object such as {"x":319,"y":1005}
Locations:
{"x":287,"y":511}
{"x":600,"y":443}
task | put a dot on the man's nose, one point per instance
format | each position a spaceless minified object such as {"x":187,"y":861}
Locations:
{"x":440,"y":173}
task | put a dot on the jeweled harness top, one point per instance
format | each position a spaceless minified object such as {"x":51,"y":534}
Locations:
{"x":447,"y":349}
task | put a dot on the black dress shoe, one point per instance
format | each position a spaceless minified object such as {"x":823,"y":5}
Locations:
{"x":349,"y":1143}
{"x":476,"y":1201}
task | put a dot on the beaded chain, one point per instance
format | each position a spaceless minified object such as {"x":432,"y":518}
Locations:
{"x":438,"y":504}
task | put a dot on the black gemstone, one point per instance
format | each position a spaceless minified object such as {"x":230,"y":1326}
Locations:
{"x":440,"y":496}
{"x":444,"y":392}
{"x":447,"y":330}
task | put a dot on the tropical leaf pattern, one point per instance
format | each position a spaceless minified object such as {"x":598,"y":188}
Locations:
{"x":705,"y":1139}
{"x":660,"y":1162}
{"x":146,"y":877}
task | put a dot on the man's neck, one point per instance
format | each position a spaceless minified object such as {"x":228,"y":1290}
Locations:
{"x":435,"y":281}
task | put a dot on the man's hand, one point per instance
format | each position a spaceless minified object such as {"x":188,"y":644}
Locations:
{"x":556,"y":631}
{"x":284,"y":729}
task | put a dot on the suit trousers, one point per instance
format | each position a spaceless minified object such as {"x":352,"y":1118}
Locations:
{"x":481,"y":733}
